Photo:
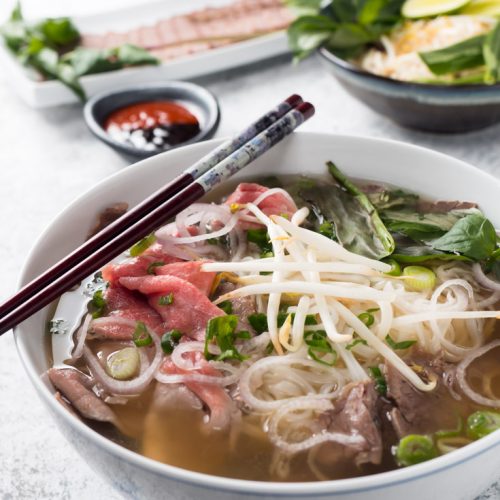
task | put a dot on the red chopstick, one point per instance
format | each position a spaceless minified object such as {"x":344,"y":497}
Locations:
{"x":98,"y":252}
{"x":153,"y":201}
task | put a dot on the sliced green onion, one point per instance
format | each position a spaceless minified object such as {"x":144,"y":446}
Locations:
{"x":355,"y":342}
{"x":243,"y":334}
{"x":379,"y":379}
{"x":444,"y":434}
{"x":414,"y":449}
{"x":482,"y":423}
{"x":319,"y":348}
{"x":395,"y":267}
{"x":142,"y":245}
{"x":261,"y":238}
{"x":98,"y":304}
{"x":405,"y":344}
{"x":170,"y":340}
{"x":166,"y":300}
{"x":123,"y":364}
{"x":258,"y":321}
{"x":226,"y":306}
{"x":141,"y":336}
{"x":153,"y":265}
{"x":367,"y":317}
{"x":222,"y":329}
{"x":327,"y":229}
{"x":419,"y":278}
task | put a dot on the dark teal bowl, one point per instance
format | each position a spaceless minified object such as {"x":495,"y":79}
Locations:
{"x":427,"y":107}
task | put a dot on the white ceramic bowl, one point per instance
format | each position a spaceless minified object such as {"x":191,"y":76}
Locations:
{"x":458,"y":475}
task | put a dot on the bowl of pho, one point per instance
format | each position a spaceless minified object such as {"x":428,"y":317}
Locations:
{"x":429,"y":65}
{"x":333,"y":334}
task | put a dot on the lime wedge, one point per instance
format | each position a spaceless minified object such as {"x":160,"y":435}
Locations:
{"x":414,"y":9}
{"x":489,"y":8}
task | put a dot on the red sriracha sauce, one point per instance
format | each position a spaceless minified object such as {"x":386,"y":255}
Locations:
{"x":152,"y":125}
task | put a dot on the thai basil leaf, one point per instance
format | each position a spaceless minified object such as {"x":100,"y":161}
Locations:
{"x":473,"y":236}
{"x":304,"y":7}
{"x":86,"y":61}
{"x":385,"y":199}
{"x":132,"y":55}
{"x":360,"y":230}
{"x":491,"y":53}
{"x":457,"y":57}
{"x":307,"y":33}
{"x":59,"y":31}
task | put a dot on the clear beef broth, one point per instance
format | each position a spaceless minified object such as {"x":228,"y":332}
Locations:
{"x":180,"y":437}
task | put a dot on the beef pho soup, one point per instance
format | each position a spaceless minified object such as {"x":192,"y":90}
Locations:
{"x":292,"y":329}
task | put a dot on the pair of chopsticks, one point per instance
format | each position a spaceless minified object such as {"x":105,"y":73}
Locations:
{"x":210,"y":171}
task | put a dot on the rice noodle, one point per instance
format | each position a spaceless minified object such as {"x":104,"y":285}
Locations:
{"x":462,"y":376}
{"x":305,"y":404}
{"x":483,"y":279}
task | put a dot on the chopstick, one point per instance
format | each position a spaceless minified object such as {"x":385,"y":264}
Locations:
{"x":160,"y":196}
{"x":23,"y":305}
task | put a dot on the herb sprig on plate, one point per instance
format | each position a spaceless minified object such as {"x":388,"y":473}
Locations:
{"x":51,"y":47}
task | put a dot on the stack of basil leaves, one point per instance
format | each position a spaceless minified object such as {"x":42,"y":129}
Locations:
{"x":347,"y":28}
{"x":51,"y":47}
{"x":379,"y":222}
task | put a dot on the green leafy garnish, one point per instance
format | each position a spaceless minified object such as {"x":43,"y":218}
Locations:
{"x":142,"y":245}
{"x":378,"y":377}
{"x":473,"y":236}
{"x":482,"y":423}
{"x":319,"y":348}
{"x":222,"y":330}
{"x":405,"y":344}
{"x":355,"y":342}
{"x":367,"y":317}
{"x":226,"y":306}
{"x":166,"y":300}
{"x":258,"y":321}
{"x":170,"y":340}
{"x":51,"y":47}
{"x":414,"y":449}
{"x":98,"y":304}
{"x":141,"y":336}
{"x":151,"y":268}
{"x":260,"y":238}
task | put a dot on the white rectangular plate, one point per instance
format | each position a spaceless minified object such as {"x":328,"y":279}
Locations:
{"x":40,"y":94}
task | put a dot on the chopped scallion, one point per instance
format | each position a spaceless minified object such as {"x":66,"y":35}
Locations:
{"x":419,"y":278}
{"x":166,"y":300}
{"x":226,"y":306}
{"x":405,"y":344}
{"x":98,"y":304}
{"x":482,"y":423}
{"x":319,"y":348}
{"x":141,"y":336}
{"x":142,"y":245}
{"x":355,"y":342}
{"x":222,"y":329}
{"x":169,"y":341}
{"x":414,"y":449}
{"x":395,"y":267}
{"x":378,"y":377}
{"x":153,"y":265}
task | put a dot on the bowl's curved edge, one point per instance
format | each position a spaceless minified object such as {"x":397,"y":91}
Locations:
{"x":311,"y":489}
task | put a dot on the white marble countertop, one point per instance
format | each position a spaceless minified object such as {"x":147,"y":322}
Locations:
{"x":47,"y":158}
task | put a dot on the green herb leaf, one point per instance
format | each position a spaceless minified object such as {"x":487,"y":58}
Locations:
{"x":304,"y":7}
{"x":405,"y":344}
{"x":132,"y":55}
{"x":355,"y":342}
{"x":367,"y":317}
{"x":463,"y":55}
{"x":482,"y":423}
{"x":166,"y":300}
{"x":307,"y":33}
{"x":142,"y":245}
{"x":170,"y":340}
{"x":473,"y":236}
{"x":226,"y":306}
{"x":151,"y":268}
{"x":378,"y":377}
{"x":491,"y":53}
{"x":260,"y":238}
{"x":141,"y":336}
{"x":59,"y":31}
{"x":319,"y":348}
{"x":222,"y":329}
{"x":258,"y":321}
{"x":98,"y":304}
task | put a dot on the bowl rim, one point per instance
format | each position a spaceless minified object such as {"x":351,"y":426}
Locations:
{"x":437,"y":87}
{"x":332,"y":488}
{"x":192,"y":89}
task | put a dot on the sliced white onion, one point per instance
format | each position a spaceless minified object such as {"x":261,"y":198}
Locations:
{"x":483,"y":279}
{"x":199,"y":378}
{"x":81,"y":336}
{"x":125,"y":387}
{"x":462,"y":376}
